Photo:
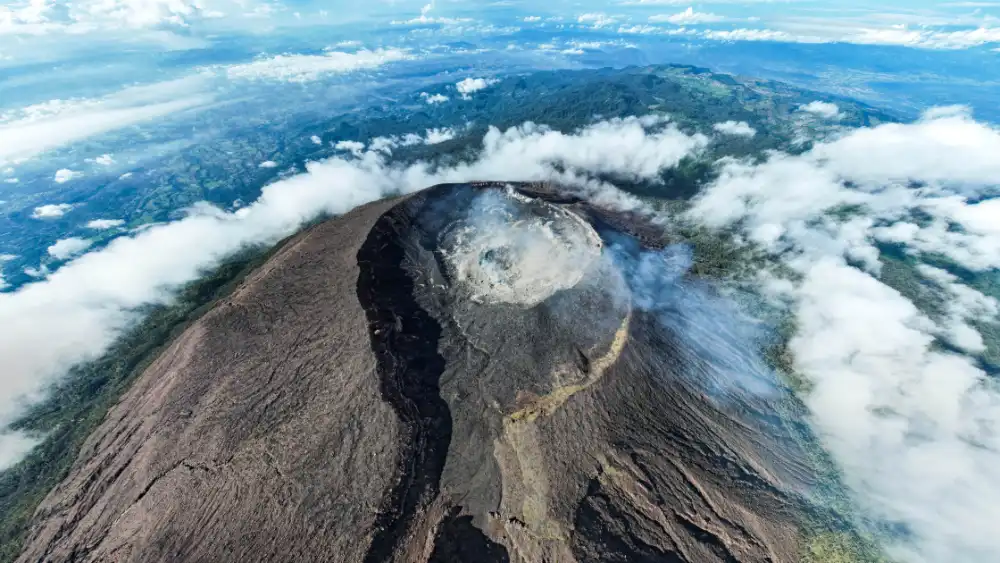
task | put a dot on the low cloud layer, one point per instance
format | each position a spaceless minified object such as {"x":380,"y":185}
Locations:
{"x":912,"y":425}
{"x":35,"y":129}
{"x":306,"y":68}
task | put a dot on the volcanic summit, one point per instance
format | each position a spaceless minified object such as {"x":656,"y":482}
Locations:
{"x":476,"y":372}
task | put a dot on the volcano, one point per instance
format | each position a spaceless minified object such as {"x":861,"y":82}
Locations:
{"x":476,"y":372}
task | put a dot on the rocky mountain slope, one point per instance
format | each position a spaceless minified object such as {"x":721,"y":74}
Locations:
{"x":471,"y":373}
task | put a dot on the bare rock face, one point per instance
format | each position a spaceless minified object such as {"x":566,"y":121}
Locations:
{"x":476,"y":373}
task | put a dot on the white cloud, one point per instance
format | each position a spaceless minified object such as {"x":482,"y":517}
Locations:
{"x":350,"y":146}
{"x":686,"y":2}
{"x":306,"y":68}
{"x":14,"y":446}
{"x":744,"y":34}
{"x":597,"y":20}
{"x":51,"y":211}
{"x":37,"y":17}
{"x":103,"y":224}
{"x":826,"y":110}
{"x":316,"y":140}
{"x":77,"y":311}
{"x":927,"y":38}
{"x":912,"y":426}
{"x":436,"y":136}
{"x":386,"y":145}
{"x":432,"y":99}
{"x":939,"y":38}
{"x":532,"y":19}
{"x":104,"y":160}
{"x":37,"y":273}
{"x":739,"y":34}
{"x":426,"y":19}
{"x":64,"y":175}
{"x":737,"y":128}
{"x":470,"y":85}
{"x":68,"y":247}
{"x":687,"y":17}
{"x":268,"y":164}
{"x":4,"y":285}
{"x":962,"y":304}
{"x":35,"y":129}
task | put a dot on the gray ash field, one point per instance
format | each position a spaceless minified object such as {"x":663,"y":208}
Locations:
{"x":477,"y":372}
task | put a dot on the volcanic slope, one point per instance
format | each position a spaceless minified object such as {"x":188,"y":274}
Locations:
{"x":476,"y":372}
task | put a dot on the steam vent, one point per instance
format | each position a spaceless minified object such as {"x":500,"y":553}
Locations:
{"x":476,"y":372}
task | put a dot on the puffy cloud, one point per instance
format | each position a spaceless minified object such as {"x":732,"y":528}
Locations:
{"x":826,"y":110}
{"x":76,"y":312}
{"x":268,"y":164}
{"x":350,"y":146}
{"x":432,"y":99}
{"x":316,"y":140}
{"x":64,"y":175}
{"x":40,"y":272}
{"x":104,"y":160}
{"x":531,"y":19}
{"x":687,"y":17}
{"x":470,"y":85}
{"x":143,"y":13}
{"x":962,"y":304}
{"x":51,"y":211}
{"x":597,"y":20}
{"x":68,"y":247}
{"x":736,"y":128}
{"x":436,"y":136}
{"x":910,"y":424}
{"x":306,"y":68}
{"x":104,"y":224}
